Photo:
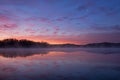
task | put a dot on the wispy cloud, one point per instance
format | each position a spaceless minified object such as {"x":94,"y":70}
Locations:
{"x":86,"y":5}
{"x":108,"y":10}
{"x":98,"y":27}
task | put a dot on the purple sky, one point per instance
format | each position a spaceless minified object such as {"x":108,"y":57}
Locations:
{"x":61,"y":21}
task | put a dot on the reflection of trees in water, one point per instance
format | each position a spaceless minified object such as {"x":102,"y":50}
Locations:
{"x":21,"y":53}
{"x":12,"y":53}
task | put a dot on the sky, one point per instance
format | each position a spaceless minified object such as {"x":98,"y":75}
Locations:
{"x":61,"y":21}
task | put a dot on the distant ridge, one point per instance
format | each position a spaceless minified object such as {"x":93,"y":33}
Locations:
{"x":14,"y":43}
{"x":103,"y":44}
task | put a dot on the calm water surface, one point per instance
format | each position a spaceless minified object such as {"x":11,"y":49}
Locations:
{"x":60,"y":64}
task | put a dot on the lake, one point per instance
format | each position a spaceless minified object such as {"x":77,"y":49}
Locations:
{"x":60,"y":64}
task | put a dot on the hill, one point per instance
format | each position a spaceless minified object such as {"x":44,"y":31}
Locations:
{"x":103,"y":44}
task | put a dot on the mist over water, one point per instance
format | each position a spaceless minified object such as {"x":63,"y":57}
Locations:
{"x":60,"y":64}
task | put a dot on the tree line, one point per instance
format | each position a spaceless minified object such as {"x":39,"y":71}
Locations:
{"x":6,"y":43}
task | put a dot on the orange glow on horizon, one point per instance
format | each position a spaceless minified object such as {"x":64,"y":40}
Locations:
{"x":50,"y":41}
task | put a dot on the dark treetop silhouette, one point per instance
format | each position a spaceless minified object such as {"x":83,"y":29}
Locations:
{"x":21,"y":43}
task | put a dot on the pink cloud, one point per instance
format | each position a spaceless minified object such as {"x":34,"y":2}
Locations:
{"x":42,"y":19}
{"x":7,"y":23}
{"x":31,"y":31}
{"x":8,"y":26}
{"x":56,"y":30}
{"x":31,"y":24}
{"x":4,"y":18}
{"x":47,"y":30}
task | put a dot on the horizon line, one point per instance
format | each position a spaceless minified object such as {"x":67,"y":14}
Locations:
{"x":58,"y":43}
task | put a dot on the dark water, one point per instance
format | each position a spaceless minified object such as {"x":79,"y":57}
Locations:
{"x":60,"y":64}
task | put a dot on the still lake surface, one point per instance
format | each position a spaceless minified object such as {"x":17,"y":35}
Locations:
{"x":60,"y":64}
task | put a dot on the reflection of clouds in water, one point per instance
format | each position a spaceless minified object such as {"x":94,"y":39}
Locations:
{"x":58,"y":64}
